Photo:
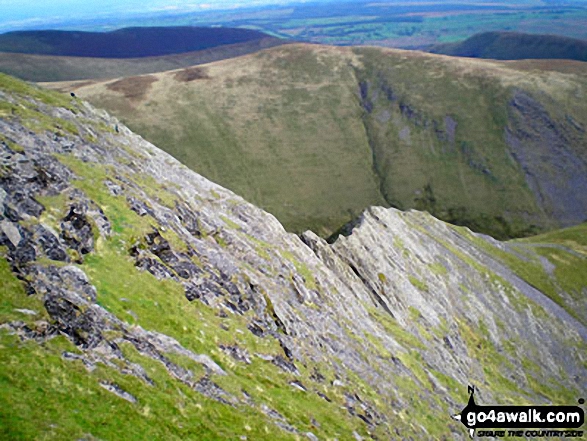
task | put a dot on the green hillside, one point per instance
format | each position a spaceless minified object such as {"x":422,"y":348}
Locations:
{"x":515,"y":46}
{"x":315,"y":134}
{"x":131,"y":42}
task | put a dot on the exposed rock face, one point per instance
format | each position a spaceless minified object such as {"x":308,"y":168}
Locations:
{"x":376,"y":335}
{"x":543,"y":146}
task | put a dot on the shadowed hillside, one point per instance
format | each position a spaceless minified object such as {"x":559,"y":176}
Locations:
{"x":315,"y":134}
{"x":124,"y":43}
{"x":61,"y":68}
{"x":515,"y":46}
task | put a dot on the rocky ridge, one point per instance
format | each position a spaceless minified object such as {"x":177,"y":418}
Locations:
{"x":167,"y":296}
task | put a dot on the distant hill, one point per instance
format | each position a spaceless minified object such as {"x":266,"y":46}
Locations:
{"x":41,"y":68}
{"x":124,"y":43}
{"x":515,"y":46}
{"x":315,"y":134}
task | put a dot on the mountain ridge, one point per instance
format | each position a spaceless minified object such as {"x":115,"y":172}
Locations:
{"x":137,"y":294}
{"x":44,"y":68}
{"x":515,"y":46}
{"x":132,"y":42}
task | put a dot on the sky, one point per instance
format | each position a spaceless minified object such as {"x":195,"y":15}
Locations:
{"x":15,"y":14}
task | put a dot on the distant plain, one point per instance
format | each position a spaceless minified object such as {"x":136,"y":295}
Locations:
{"x":403,"y":24}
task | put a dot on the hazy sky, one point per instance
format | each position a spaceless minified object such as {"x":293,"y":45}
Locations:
{"x":27,"y":13}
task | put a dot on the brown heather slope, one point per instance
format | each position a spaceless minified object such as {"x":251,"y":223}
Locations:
{"x":315,"y":134}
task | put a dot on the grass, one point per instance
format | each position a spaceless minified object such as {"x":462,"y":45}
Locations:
{"x":23,"y":106}
{"x":417,"y":283}
{"x":438,"y":268}
{"x":24,"y":89}
{"x":393,"y":328}
{"x":301,"y":269}
{"x":33,"y":374}
{"x":13,"y":296}
{"x":495,"y":365}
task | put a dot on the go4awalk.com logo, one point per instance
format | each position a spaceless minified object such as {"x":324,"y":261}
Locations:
{"x":522,"y":421}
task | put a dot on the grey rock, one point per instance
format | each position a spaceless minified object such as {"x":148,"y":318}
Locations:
{"x":540,"y":145}
{"x":117,"y":390}
{"x":50,"y":244}
{"x":137,"y":206}
{"x":26,"y":311}
{"x":76,"y":230}
{"x":11,"y":232}
{"x":237,"y":353}
{"x":113,"y":188}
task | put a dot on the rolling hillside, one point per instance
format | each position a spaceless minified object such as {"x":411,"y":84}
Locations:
{"x":515,"y":46}
{"x":124,"y":43}
{"x":315,"y":134}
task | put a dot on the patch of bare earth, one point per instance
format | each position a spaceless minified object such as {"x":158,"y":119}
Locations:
{"x":562,"y":66}
{"x":133,"y":88}
{"x":190,"y":74}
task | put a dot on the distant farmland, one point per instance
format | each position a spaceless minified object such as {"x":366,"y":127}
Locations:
{"x":405,"y":24}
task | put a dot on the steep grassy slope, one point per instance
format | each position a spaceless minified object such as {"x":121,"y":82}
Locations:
{"x":315,"y":134}
{"x":61,"y":68}
{"x":140,"y":300}
{"x":476,"y":143}
{"x":282,"y":128}
{"x":515,"y":46}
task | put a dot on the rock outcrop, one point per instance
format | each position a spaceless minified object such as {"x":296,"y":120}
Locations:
{"x":145,"y":291}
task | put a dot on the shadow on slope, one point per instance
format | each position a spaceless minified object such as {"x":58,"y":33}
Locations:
{"x":515,"y":46}
{"x":48,"y":68}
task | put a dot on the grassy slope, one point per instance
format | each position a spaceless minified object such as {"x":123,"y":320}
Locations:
{"x":287,"y":129}
{"x":470,"y":179}
{"x":281,"y":127}
{"x":515,"y":46}
{"x":60,"y":68}
{"x":45,"y":396}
